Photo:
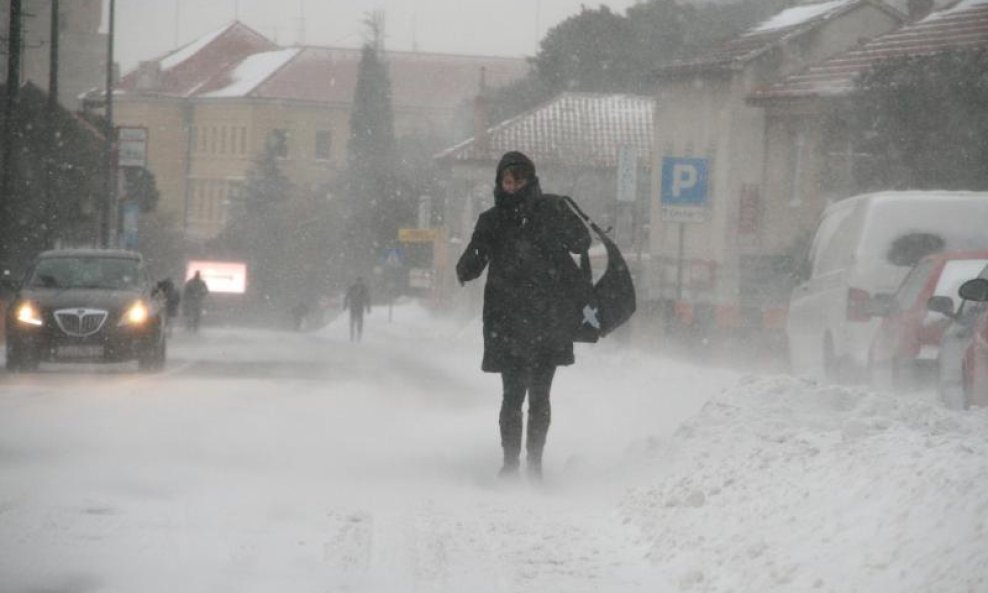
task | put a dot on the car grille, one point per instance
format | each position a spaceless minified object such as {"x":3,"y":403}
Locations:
{"x":80,"y":322}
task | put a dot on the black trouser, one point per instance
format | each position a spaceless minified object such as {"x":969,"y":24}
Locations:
{"x":536,"y":381}
{"x":356,"y":326}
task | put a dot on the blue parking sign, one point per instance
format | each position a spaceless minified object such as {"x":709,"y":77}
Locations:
{"x":684,"y":181}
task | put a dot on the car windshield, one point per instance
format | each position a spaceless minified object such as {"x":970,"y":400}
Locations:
{"x":85,"y":272}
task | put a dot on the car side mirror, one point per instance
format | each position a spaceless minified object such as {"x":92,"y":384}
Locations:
{"x":880,"y":305}
{"x":974,"y":290}
{"x":941,"y":304}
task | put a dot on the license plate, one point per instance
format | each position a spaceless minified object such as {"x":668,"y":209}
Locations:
{"x":80,"y":351}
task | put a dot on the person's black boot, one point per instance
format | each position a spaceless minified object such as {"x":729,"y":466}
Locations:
{"x":534,"y":466}
{"x":509,"y":469}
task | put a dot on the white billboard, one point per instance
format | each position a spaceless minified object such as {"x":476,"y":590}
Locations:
{"x":228,"y":277}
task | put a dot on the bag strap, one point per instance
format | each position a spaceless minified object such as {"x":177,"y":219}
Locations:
{"x":593,"y":225}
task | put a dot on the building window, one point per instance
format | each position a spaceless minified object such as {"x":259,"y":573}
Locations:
{"x":278,"y":142}
{"x":323,"y":146}
{"x":223,"y":140}
{"x":243,"y":140}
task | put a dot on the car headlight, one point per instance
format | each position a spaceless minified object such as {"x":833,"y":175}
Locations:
{"x":28,"y":313}
{"x":136,"y":314}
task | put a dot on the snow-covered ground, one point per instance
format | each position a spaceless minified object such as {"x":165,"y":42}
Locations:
{"x":268,"y":461}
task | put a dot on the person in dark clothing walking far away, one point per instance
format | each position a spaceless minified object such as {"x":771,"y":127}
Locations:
{"x":357,"y":300}
{"x":525,"y":242}
{"x":192,"y":298}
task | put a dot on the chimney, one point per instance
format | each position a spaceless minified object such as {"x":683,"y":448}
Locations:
{"x":148,"y":76}
{"x":481,"y":116}
{"x":919,"y":9}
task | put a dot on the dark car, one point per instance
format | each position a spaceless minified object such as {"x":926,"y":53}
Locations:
{"x":906,"y":347}
{"x":94,"y":305}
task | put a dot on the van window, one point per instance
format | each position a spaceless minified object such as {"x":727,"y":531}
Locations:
{"x":956,"y":272}
{"x":913,"y":284}
{"x":835,"y":242}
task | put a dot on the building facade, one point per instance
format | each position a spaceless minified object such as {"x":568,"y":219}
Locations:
{"x":720,"y":262}
{"x":211,"y":107}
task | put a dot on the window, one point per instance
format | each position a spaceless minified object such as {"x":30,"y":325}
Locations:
{"x":323,"y":146}
{"x":278,"y":142}
{"x":243,"y":140}
{"x":223,"y":140}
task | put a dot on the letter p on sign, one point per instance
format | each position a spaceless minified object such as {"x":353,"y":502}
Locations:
{"x":684,"y":177}
{"x":684,"y":181}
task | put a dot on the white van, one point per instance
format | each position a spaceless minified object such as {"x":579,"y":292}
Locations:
{"x":865,"y":245}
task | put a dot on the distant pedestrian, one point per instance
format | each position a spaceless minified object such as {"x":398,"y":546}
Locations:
{"x":357,"y":300}
{"x":299,"y":312}
{"x":525,"y":242}
{"x":193,"y":297}
{"x":172,"y":299}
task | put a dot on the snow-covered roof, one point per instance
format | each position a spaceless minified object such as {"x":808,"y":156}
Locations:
{"x":785,"y":26}
{"x":583,"y":128}
{"x":237,"y":62}
{"x":964,"y":25}
{"x":248,"y":74}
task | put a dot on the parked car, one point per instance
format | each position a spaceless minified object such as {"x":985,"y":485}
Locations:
{"x":86,"y":305}
{"x":865,"y":245}
{"x":906,"y":349}
{"x":975,"y":361}
{"x":953,"y":347}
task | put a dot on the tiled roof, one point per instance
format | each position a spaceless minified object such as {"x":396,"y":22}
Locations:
{"x":584,"y":128}
{"x":187,"y":69}
{"x":784,"y":26}
{"x":417,"y":79}
{"x":238,"y":62}
{"x":963,"y":26}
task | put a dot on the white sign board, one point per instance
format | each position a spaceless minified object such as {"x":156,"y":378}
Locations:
{"x":627,"y":174}
{"x":132,"y":147}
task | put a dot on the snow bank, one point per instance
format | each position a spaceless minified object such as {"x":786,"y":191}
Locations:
{"x":784,"y":485}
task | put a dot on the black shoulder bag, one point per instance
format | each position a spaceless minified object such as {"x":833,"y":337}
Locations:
{"x":609,"y":302}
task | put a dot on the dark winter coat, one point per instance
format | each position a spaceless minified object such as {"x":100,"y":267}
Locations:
{"x":526,"y":239}
{"x":357,"y":299}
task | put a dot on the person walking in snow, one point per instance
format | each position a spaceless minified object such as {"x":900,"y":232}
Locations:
{"x":193,"y":295}
{"x":525,"y":240}
{"x":357,"y":300}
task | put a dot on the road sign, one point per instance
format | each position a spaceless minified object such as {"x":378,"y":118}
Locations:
{"x":684,"y":190}
{"x":132,"y":145}
{"x":393,"y":257}
{"x":627,"y":174}
{"x":418,"y":235}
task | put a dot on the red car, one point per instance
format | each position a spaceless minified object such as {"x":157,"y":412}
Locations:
{"x":905,"y":350}
{"x":975,"y":365}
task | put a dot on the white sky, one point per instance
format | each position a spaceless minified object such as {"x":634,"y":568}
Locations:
{"x":148,"y":28}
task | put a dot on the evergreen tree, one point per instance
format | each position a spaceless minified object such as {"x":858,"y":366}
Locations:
{"x":377,"y":207}
{"x":256,"y":230}
{"x":923,"y":122}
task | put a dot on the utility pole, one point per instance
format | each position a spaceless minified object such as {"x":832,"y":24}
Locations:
{"x":52,"y":149}
{"x":7,"y":167}
{"x":110,"y":200}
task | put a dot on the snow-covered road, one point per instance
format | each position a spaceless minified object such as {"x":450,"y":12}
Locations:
{"x":269,"y":461}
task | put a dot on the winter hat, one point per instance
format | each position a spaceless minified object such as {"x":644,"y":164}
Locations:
{"x":515,"y":158}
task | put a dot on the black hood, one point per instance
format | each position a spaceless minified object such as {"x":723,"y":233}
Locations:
{"x":520,"y":198}
{"x":513,"y":158}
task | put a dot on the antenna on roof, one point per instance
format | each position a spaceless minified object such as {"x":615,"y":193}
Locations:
{"x":236,"y":10}
{"x":300,"y":34}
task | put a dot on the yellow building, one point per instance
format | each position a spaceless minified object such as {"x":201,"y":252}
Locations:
{"x":211,"y":106}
